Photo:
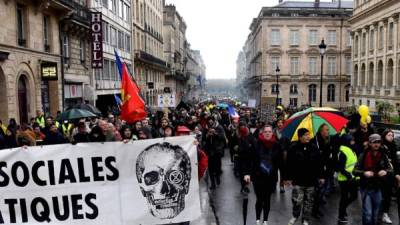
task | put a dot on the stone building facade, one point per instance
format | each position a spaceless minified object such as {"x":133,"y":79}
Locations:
{"x":287,"y":36}
{"x":150,"y":66}
{"x":376,"y":52}
{"x":30,"y":58}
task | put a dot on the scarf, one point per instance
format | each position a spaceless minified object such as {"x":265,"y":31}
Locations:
{"x":371,"y":161}
{"x":267,"y":143}
{"x":244,"y":131}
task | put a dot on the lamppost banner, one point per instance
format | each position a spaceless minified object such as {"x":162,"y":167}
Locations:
{"x":143,"y":182}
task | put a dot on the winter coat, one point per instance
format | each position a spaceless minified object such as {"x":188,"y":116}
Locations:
{"x":54,"y":138}
{"x":304,"y":164}
{"x":375,"y":182}
{"x":214,"y":144}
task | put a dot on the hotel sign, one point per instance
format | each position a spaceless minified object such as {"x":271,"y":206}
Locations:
{"x":97,"y":40}
{"x":49,"y":71}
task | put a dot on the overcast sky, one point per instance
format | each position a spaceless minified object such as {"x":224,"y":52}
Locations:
{"x":219,"y":28}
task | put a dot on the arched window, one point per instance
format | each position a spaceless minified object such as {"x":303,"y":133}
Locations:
{"x":380,"y":74}
{"x":355,"y":75}
{"x":293,"y":89}
{"x":371,"y":75}
{"x":347,"y":93}
{"x":389,"y":77}
{"x":331,"y":93}
{"x":312,"y":93}
{"x":362,"y":75}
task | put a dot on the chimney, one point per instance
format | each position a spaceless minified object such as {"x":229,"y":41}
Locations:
{"x":316,"y":3}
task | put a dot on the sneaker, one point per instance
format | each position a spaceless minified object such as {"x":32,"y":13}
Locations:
{"x":305,"y":222}
{"x":386,"y":218}
{"x":292,"y":221}
{"x":265,"y":223}
{"x":342,"y":220}
{"x":258,"y":222}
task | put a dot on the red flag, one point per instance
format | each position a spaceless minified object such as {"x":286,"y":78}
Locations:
{"x":133,"y":106}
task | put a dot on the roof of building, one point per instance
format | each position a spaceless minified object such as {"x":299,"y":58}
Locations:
{"x":293,"y":4}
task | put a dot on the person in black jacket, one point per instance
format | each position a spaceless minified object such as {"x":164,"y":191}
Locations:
{"x":54,"y":136}
{"x":82,"y":136}
{"x":262,"y":168}
{"x":304,"y":171}
{"x":372,"y":167}
{"x":246,"y":147}
{"x":389,"y":148}
{"x":214,"y":140}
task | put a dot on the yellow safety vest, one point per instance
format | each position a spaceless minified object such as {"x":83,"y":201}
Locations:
{"x":57,"y":124}
{"x":66,"y":130}
{"x":351,"y":161}
{"x":41,"y":121}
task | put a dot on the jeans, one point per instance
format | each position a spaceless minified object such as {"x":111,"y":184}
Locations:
{"x":348,"y":194}
{"x":371,"y":202}
{"x":302,"y":199}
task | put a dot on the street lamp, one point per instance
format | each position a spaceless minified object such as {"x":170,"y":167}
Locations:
{"x":322,"y":48}
{"x":277,"y":85}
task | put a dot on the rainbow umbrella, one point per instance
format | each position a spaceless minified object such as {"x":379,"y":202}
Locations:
{"x":312,"y":119}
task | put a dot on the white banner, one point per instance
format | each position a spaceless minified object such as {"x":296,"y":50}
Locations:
{"x":166,"y":100}
{"x":139,"y":183}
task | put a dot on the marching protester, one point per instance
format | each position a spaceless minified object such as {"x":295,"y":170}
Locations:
{"x":347,"y":181}
{"x":372,"y":167}
{"x":304,"y":172}
{"x":261,"y":167}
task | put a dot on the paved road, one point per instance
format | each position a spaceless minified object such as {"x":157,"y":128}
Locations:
{"x":228,"y":204}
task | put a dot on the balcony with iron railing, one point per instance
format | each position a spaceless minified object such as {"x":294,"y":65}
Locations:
{"x":81,"y":12}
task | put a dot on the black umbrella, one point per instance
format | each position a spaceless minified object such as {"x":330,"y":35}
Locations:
{"x":87,"y":107}
{"x":245,"y":194}
{"x":72,"y":114}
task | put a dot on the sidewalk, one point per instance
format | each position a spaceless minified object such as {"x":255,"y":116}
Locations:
{"x":207,"y":214}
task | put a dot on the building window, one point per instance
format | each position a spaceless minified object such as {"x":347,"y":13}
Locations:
{"x":331,"y":65}
{"x":294,"y":65}
{"x":355,"y":47}
{"x":127,"y":14}
{"x":120,"y":40}
{"x":348,"y":39}
{"x":97,"y":74}
{"x":275,"y":37}
{"x":312,"y":93}
{"x":21,"y":25}
{"x":331,"y":93}
{"x":294,"y":14}
{"x":391,"y":33}
{"x":128,"y":43}
{"x":113,"y":6}
{"x":106,"y":69}
{"x":363,"y":43}
{"x":332,"y":37}
{"x":347,"y":94}
{"x":381,"y":38}
{"x":368,"y":103}
{"x":113,"y":73}
{"x":113,"y":38}
{"x":371,"y":40}
{"x":46,"y":33}
{"x":293,"y":89}
{"x":359,"y":102}
{"x":348,"y":65}
{"x":275,"y":14}
{"x":293,"y":102}
{"x":274,"y":89}
{"x":313,"y":37}
{"x":82,"y":50}
{"x":106,"y":32}
{"x":121,"y":9}
{"x":65,"y":48}
{"x":312,"y":65}
{"x":294,"y":37}
{"x":105,"y":3}
{"x":274,"y":64}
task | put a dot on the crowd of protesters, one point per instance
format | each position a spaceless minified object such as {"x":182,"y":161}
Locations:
{"x":357,"y":159}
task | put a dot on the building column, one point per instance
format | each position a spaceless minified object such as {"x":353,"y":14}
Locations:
{"x":395,"y":48}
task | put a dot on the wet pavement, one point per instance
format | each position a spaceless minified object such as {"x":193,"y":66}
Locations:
{"x":227,"y":200}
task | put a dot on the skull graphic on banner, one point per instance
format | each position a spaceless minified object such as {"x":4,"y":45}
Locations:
{"x":163,"y":172}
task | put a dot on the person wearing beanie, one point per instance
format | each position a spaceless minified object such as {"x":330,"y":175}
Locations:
{"x":304,"y":171}
{"x":347,"y":181}
{"x":372,"y":167}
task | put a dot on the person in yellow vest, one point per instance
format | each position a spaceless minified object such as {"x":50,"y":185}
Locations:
{"x":66,"y":129}
{"x":40,"y":118}
{"x":347,"y":181}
